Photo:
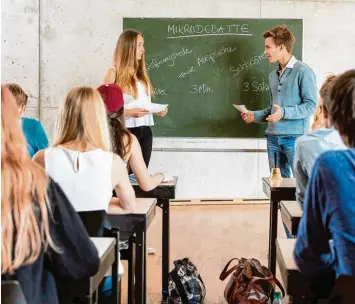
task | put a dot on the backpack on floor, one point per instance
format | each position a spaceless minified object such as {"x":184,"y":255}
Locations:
{"x":185,"y":284}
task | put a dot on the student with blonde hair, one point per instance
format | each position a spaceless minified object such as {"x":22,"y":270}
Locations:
{"x":42,"y":237}
{"x":129,"y":72}
{"x":81,"y":160}
{"x":35,"y":135}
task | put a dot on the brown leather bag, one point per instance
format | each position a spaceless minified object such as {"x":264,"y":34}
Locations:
{"x":251,"y":283}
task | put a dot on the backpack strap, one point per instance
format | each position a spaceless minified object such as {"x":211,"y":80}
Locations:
{"x":224,"y":274}
{"x":176,"y":279}
{"x":272,"y":279}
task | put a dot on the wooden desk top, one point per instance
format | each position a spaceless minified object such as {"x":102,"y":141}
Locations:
{"x":163,"y":185}
{"x":103,"y":245}
{"x":140,"y":219}
{"x":143,"y":206}
{"x":293,"y":208}
{"x":165,"y":191}
{"x":278,"y":184}
{"x":295,"y":284}
{"x":286,"y":247}
{"x":280,"y":190}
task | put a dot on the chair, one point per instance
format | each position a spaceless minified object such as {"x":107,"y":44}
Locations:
{"x":11,"y":293}
{"x":343,"y":292}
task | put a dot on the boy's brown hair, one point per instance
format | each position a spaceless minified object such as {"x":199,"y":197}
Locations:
{"x":19,"y":94}
{"x":340,"y":103}
{"x":281,"y":35}
{"x":326,"y":85}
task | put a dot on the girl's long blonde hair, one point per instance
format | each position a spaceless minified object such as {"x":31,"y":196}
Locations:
{"x":127,"y":66}
{"x":24,"y":200}
{"x":83,"y":119}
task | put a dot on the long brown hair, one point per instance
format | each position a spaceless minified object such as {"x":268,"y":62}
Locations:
{"x":23,"y":194}
{"x":118,"y":133}
{"x":83,"y":118}
{"x":127,"y":66}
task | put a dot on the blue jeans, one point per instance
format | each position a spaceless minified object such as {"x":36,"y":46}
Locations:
{"x":284,"y":147}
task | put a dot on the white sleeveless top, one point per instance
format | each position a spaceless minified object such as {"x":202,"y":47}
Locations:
{"x":143,"y":97}
{"x":87,"y":186}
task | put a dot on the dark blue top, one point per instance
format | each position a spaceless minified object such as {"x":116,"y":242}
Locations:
{"x":35,"y":135}
{"x":78,"y":256}
{"x":326,"y":235}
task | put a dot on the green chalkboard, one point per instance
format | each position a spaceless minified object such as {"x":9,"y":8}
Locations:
{"x":200,"y":67}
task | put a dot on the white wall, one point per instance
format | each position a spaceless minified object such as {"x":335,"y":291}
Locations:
{"x":50,"y":46}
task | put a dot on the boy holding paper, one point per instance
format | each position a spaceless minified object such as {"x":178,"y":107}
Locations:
{"x":293,"y":99}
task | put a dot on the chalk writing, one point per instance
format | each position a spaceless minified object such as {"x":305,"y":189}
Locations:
{"x":246,"y":64}
{"x":159,"y":92}
{"x":212,"y":56}
{"x":169,"y":60}
{"x":189,"y":71}
{"x":255,"y":86}
{"x":200,"y":89}
{"x":188,"y":30}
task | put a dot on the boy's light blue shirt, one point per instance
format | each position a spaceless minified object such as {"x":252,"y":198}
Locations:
{"x":308,"y":148}
{"x":296,"y":93}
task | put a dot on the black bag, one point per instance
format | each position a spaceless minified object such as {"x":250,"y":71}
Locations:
{"x":185,"y":284}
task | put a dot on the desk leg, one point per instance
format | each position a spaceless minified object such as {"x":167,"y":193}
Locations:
{"x":139,"y":269}
{"x":165,"y":205}
{"x":114,"y":296}
{"x":273,"y":235}
{"x":131,"y":267}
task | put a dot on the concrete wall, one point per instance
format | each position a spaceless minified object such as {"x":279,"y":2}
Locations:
{"x":50,"y":46}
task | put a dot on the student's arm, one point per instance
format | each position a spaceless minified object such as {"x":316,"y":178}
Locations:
{"x":146,"y":182}
{"x":312,"y":252}
{"x":308,"y":91}
{"x":39,"y":158}
{"x":110,"y":76}
{"x":260,"y":116}
{"x":126,"y":198}
{"x":77,"y":257}
{"x":41,"y":138}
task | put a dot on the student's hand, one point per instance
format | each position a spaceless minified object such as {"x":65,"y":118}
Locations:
{"x":248,"y":117}
{"x":137,"y":112}
{"x":276,"y":116}
{"x":166,"y":177}
{"x":162,"y":113}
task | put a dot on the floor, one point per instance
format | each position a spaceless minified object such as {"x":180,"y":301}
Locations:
{"x":209,"y":236}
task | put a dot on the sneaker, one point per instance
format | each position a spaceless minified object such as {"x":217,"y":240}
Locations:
{"x":151,"y":250}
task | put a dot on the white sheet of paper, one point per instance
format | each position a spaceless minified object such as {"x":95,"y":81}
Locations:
{"x":155,"y":107}
{"x":151,"y":107}
{"x":241,"y":108}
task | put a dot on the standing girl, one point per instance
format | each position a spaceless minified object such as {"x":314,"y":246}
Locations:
{"x":129,"y":72}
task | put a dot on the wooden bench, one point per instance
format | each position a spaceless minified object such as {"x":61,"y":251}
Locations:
{"x":291,"y":213}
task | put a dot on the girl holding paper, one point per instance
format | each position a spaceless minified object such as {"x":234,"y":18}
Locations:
{"x":129,"y":72}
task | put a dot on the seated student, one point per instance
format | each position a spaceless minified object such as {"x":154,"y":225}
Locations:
{"x":324,"y":137}
{"x":32,"y":128}
{"x":42,"y":237}
{"x":125,"y":143}
{"x":80,"y":160}
{"x":329,"y":205}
